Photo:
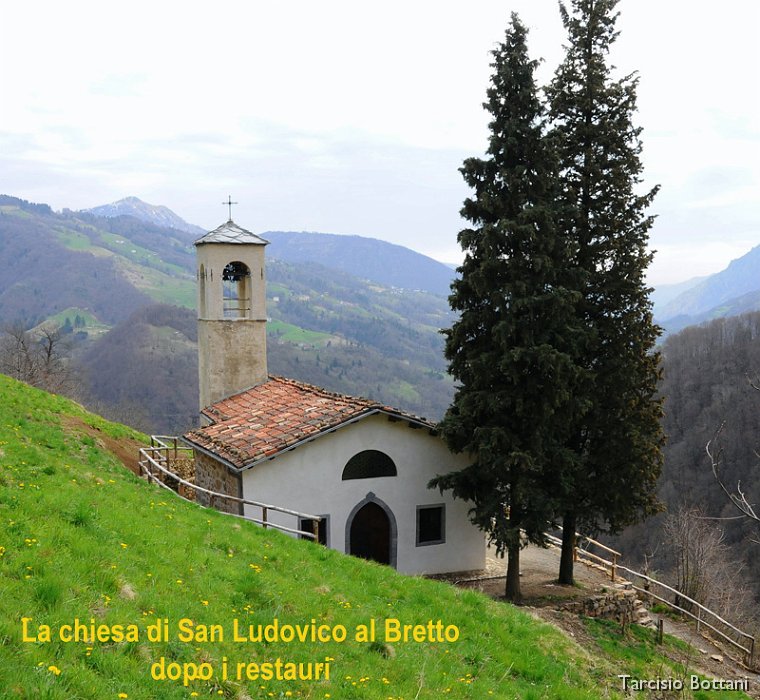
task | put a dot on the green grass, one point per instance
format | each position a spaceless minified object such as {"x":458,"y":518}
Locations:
{"x":81,"y":537}
{"x":296,"y":334}
{"x":75,"y":240}
{"x":642,"y":657}
{"x":161,"y":287}
{"x":405,"y":391}
{"x":93,"y":325}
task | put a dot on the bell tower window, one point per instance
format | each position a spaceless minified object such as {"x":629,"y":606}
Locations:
{"x":236,"y":290}
{"x":202,"y":291}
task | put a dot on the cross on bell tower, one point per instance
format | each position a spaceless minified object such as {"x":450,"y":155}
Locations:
{"x":229,"y":204}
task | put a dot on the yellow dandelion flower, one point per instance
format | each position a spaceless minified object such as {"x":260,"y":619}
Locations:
{"x":122,"y":696}
{"x":124,"y":545}
{"x":55,"y":670}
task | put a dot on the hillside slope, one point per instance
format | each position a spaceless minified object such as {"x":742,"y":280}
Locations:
{"x":369,"y":258}
{"x":329,"y":327}
{"x":84,"y":538}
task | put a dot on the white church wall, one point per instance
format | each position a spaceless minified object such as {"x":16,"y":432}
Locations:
{"x":309,"y":479}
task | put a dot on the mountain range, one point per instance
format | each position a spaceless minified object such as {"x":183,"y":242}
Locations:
{"x":345,"y":311}
{"x":730,"y":292}
{"x":97,"y":276}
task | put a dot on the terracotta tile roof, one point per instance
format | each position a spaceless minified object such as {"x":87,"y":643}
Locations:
{"x":263,"y":421}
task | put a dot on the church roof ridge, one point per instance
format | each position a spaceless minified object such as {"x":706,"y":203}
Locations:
{"x":230,"y":232}
{"x":259,"y":423}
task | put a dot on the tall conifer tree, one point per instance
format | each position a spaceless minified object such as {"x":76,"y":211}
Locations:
{"x":509,"y":349}
{"x":618,"y":440}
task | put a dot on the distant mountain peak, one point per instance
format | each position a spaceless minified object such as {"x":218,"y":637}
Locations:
{"x":151,"y":213}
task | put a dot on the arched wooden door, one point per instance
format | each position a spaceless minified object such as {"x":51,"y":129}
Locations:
{"x":370,"y":536}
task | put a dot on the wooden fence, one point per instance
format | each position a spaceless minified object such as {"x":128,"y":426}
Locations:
{"x":657,"y":590}
{"x":154,"y":461}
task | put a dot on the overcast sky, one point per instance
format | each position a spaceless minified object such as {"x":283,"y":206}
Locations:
{"x":353,"y":117}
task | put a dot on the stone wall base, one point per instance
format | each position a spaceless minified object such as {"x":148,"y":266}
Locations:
{"x":619,"y":604}
{"x":215,"y":476}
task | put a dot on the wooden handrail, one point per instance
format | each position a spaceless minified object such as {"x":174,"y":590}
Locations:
{"x":144,"y":452}
{"x":690,"y":600}
{"x":284,"y":528}
{"x":614,"y":566}
{"x":699,"y":621}
{"x":594,"y":542}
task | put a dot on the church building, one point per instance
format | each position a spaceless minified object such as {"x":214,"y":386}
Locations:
{"x":360,"y":466}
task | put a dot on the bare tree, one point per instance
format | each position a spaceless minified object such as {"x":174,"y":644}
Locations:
{"x":39,"y":357}
{"x":704,"y":569}
{"x":738,"y":496}
{"x":697,"y":546}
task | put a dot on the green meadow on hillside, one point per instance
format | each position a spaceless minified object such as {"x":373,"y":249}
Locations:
{"x":82,"y":538}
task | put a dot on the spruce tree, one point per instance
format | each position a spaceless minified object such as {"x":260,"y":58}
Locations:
{"x":509,"y":350}
{"x":618,"y":441}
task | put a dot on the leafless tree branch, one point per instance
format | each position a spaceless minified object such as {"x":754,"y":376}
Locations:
{"x":738,"y":497}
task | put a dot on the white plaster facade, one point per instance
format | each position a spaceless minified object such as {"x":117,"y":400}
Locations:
{"x":309,"y":479}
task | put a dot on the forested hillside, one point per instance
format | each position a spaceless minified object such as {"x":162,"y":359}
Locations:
{"x":343,"y":331}
{"x":706,"y":384}
{"x":144,"y":372}
{"x":379,"y":261}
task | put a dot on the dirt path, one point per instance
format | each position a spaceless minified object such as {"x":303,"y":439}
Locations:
{"x":124,"y":449}
{"x":538,"y":578}
{"x":542,"y":596}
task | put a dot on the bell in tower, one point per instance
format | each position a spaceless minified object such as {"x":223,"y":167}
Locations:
{"x":232,"y":351}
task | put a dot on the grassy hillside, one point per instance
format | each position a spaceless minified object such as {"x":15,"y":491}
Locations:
{"x":82,"y":537}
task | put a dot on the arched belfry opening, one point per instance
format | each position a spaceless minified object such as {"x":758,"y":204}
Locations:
{"x":236,"y":290}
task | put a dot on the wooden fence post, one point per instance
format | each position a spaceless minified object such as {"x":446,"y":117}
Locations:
{"x":315,"y":530}
{"x":264,"y":518}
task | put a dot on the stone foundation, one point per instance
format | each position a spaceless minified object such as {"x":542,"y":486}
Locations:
{"x":215,"y":476}
{"x":619,"y":604}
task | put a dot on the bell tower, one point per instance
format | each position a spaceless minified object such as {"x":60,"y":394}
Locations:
{"x":232,"y":348}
